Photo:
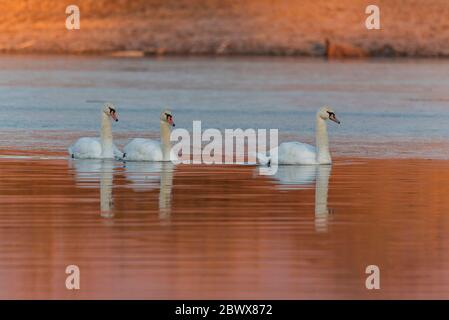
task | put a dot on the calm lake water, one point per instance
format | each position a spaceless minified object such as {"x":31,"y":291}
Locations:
{"x":158,"y":231}
{"x":387,"y":108}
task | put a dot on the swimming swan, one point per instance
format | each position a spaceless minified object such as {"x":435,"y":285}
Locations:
{"x":98,"y":148}
{"x":301,"y":153}
{"x":150,"y":150}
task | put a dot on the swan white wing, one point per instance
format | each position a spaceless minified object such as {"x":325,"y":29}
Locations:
{"x":296,"y":153}
{"x":173,"y":157}
{"x":117,"y":153}
{"x":143,"y":150}
{"x":86,"y":148}
{"x":90,"y":148}
{"x":296,"y":177}
{"x":262,"y":159}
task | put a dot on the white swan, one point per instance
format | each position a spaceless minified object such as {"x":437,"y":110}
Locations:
{"x":150,"y":150}
{"x":98,"y":148}
{"x":302,"y":153}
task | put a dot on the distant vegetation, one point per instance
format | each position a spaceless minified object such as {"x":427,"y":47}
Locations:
{"x":226,"y":27}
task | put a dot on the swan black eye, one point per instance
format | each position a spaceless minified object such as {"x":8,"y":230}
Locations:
{"x":111,"y":110}
{"x":331,"y":114}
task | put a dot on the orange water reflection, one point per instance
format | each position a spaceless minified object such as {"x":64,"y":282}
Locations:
{"x":158,"y":231}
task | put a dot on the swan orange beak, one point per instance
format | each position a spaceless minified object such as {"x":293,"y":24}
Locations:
{"x":170,"y":121}
{"x":114,"y":116}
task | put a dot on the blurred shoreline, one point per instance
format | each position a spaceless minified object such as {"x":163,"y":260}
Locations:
{"x":227,"y":28}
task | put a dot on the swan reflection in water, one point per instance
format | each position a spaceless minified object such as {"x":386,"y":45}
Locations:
{"x":102,"y":171}
{"x":147,"y":176}
{"x":297,"y":177}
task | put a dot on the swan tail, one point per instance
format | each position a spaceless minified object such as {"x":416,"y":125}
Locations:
{"x":263,"y":159}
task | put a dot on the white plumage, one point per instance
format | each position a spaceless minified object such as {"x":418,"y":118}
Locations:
{"x":98,"y":148}
{"x":295,"y":153}
{"x":143,"y":150}
{"x":150,"y":150}
{"x":90,"y":148}
{"x":301,"y":153}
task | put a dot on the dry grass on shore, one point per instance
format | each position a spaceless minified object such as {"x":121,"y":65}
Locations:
{"x":247,"y":27}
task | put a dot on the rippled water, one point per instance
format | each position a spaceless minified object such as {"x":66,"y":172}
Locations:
{"x":159,"y":231}
{"x":388,"y":108}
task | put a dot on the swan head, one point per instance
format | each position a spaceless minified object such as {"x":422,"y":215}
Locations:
{"x":167,"y":117}
{"x":326,"y":113}
{"x":111,"y":111}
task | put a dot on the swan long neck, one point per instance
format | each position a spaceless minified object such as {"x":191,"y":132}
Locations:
{"x":107,"y":145}
{"x":165,"y":140}
{"x":322,"y":142}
